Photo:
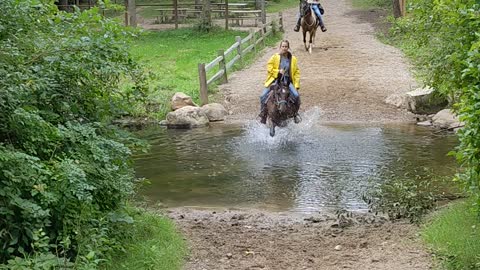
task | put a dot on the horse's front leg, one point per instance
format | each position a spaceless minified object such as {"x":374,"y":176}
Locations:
{"x":313,"y":37}
{"x":272,"y":129}
{"x":305,"y":39}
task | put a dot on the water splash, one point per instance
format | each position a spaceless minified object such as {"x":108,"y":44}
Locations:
{"x":259,"y":134}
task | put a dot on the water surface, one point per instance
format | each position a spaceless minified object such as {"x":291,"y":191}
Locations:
{"x":304,"y":168}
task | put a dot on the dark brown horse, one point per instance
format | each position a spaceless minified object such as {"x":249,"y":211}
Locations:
{"x":309,"y":24}
{"x":280,"y":106}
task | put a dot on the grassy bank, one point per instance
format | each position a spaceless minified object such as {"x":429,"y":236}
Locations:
{"x":280,"y":5}
{"x":152,"y":243}
{"x":438,"y":39}
{"x":454,"y":236}
{"x":173,"y":56}
{"x":372,"y":4}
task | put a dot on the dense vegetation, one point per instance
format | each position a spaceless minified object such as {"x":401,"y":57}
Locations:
{"x":65,"y":173}
{"x":443,"y":39}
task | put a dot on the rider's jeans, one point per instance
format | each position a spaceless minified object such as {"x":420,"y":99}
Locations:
{"x":263,"y":96}
{"x":317,"y":12}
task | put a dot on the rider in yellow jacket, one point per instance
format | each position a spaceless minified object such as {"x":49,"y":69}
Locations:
{"x":283,"y":63}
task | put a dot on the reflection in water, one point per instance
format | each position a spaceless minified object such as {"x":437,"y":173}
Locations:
{"x":306,"y":167}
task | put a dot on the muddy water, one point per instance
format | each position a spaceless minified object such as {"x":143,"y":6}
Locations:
{"x":305,"y":168}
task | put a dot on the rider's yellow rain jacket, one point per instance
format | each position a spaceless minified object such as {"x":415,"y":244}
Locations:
{"x":273,"y":67}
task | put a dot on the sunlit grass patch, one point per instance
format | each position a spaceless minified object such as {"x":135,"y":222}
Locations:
{"x":454,"y":236}
{"x":154,"y":243}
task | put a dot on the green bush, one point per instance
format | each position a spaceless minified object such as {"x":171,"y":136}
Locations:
{"x":65,"y":174}
{"x":443,"y":39}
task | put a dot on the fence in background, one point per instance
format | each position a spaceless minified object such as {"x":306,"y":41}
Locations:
{"x":236,"y":52}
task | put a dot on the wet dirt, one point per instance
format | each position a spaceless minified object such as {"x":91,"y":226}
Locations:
{"x":348,"y":76}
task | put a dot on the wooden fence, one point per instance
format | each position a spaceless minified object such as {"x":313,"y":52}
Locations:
{"x":178,"y":11}
{"x":238,"y":50}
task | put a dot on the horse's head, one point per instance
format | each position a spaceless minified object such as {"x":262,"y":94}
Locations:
{"x":281,"y":93}
{"x":305,"y":7}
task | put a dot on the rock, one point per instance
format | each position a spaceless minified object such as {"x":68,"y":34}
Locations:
{"x":180,"y":100}
{"x":425,"y":123}
{"x":215,"y":111}
{"x":338,"y":247}
{"x":396,"y":100}
{"x":229,"y":255}
{"x":424,"y":101}
{"x":187,"y":117}
{"x":313,"y":219}
{"x":446,"y":119}
{"x":163,"y":123}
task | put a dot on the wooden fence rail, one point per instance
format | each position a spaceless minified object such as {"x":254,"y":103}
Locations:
{"x":238,"y":51}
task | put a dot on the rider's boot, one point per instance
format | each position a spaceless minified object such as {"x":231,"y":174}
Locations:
{"x":296,"y":118}
{"x":263,"y":113}
{"x":322,"y":26}
{"x":297,"y":27}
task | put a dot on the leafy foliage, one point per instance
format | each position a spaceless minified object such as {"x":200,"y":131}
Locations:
{"x":408,"y":197}
{"x":443,"y":38}
{"x":64,"y":172}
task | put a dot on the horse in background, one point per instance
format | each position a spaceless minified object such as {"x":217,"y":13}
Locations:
{"x":280,"y":105}
{"x":309,"y":24}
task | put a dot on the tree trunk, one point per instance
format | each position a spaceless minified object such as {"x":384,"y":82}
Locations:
{"x":399,"y":8}
{"x":397,"y":11}
{"x":403,"y":9}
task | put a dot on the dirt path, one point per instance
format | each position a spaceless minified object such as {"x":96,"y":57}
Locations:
{"x":235,"y":239}
{"x":348,"y":77}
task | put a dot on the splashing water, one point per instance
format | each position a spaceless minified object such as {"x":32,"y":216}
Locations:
{"x":257,"y":133}
{"x":305,"y":167}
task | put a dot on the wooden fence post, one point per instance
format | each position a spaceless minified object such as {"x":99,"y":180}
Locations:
{"x":239,"y":48}
{"x":264,"y":13}
{"x":262,"y":33}
{"x":252,"y":32}
{"x":175,"y":12}
{"x":280,"y":22}
{"x":202,"y":78}
{"x":222,"y":66}
{"x":403,"y":8}
{"x":226,"y":15}
{"x":132,"y":13}
{"x":126,"y":13}
{"x":206,"y":14}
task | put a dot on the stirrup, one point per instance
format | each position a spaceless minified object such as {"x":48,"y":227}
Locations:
{"x":296,"y":28}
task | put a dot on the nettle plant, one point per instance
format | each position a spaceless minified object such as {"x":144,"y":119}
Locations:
{"x":65,"y":173}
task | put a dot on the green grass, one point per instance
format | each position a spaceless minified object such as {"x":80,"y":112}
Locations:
{"x":369,"y":4}
{"x":280,"y":5}
{"x":173,"y":57}
{"x":154,"y":243}
{"x":454,"y":236}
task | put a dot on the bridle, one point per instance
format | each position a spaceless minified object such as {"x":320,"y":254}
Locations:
{"x":305,"y":3}
{"x":279,"y":101}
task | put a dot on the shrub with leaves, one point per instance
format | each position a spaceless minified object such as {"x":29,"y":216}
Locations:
{"x":64,"y":171}
{"x":443,"y":38}
{"x":407,"y":197}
